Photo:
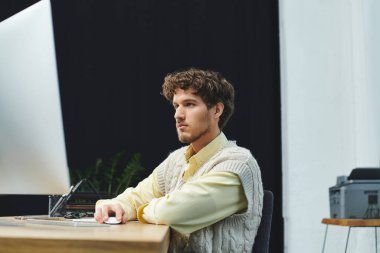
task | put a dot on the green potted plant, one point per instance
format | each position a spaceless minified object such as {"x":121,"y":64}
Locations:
{"x":112,"y":176}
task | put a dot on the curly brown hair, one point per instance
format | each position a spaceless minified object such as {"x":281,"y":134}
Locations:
{"x":211,"y":86}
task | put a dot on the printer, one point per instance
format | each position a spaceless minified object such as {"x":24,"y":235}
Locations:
{"x":356,"y":196}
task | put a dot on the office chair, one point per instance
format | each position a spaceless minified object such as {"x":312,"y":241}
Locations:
{"x":261,"y":244}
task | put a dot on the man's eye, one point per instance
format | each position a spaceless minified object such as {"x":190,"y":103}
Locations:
{"x":190,"y":104}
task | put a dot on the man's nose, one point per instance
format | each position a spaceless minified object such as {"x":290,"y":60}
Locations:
{"x":179,"y":113}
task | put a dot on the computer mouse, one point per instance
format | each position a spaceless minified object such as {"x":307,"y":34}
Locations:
{"x":112,"y":220}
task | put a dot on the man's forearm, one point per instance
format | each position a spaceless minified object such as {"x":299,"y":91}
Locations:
{"x":198,"y":204}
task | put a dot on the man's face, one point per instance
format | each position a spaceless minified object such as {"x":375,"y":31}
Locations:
{"x":194,"y":122}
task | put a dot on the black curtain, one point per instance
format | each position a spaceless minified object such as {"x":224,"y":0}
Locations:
{"x":112,"y":58}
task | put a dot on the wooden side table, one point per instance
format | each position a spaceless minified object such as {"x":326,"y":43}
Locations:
{"x":351,"y":223}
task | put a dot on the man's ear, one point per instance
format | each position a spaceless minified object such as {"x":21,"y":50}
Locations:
{"x":219,"y":107}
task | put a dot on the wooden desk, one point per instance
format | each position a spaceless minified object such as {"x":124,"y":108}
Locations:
{"x":351,"y":223}
{"x":130,"y":237}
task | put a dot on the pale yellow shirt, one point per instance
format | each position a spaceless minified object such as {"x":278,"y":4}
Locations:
{"x":199,"y":203}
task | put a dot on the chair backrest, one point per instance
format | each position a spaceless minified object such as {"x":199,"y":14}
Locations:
{"x":261,"y":244}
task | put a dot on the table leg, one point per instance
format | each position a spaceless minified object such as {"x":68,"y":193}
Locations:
{"x":376,"y":238}
{"x":324,"y":241}
{"x":348,"y":237}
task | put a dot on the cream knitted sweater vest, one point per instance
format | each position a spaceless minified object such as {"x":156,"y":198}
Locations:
{"x":235,"y":233}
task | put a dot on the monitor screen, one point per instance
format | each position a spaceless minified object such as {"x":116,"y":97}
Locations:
{"x":32,"y":146}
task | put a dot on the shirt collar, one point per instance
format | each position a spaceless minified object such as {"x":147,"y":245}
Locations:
{"x":196,"y":160}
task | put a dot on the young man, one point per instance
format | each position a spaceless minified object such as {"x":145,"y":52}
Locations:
{"x":209,"y":192}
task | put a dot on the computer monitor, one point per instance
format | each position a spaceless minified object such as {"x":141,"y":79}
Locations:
{"x":32,"y":146}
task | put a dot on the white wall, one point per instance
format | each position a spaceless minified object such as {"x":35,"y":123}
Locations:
{"x":330,"y":112}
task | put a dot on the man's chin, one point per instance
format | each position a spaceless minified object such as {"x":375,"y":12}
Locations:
{"x":184,"y":139}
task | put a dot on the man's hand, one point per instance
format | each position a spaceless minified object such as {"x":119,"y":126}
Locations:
{"x":104,"y":210}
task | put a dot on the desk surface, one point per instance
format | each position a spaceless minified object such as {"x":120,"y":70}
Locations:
{"x":352,"y":222}
{"x":130,"y":237}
